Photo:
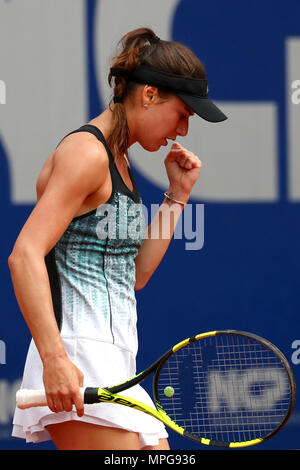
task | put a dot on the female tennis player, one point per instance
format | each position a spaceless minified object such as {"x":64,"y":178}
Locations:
{"x":83,"y":251}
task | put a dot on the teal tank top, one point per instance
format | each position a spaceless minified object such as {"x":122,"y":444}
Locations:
{"x":92,"y":270}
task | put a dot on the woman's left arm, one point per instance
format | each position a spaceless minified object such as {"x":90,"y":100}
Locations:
{"x":183,"y":169}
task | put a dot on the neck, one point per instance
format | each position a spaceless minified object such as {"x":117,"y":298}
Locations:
{"x":131,"y":120}
{"x":103,"y":122}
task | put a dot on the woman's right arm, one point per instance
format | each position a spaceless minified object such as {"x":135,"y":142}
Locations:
{"x":79,"y":170}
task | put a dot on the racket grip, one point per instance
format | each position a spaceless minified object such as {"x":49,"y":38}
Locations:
{"x":26,"y":398}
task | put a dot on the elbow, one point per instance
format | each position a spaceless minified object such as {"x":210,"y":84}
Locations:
{"x":12,"y":260}
{"x":18,"y":255}
{"x":140,"y":283}
{"x":13,"y":263}
{"x":139,"y":286}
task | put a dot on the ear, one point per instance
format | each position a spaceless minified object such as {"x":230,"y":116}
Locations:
{"x":149,"y":95}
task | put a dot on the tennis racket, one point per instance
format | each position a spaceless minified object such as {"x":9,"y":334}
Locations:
{"x":222,"y":388}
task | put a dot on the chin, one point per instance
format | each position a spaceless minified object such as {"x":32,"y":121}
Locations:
{"x":151,"y":147}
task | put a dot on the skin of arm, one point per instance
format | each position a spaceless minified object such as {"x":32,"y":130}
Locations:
{"x":73,"y":178}
{"x":183,"y":169}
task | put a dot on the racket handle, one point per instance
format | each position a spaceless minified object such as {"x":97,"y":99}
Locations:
{"x":29,"y":398}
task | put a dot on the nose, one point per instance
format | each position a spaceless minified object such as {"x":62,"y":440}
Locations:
{"x":183,"y":128}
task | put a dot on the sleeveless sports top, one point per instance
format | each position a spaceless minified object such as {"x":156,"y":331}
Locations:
{"x":91,"y":268}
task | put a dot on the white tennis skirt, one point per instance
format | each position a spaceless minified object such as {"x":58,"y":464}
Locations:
{"x":102,"y":364}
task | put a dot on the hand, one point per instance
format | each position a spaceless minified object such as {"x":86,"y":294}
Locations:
{"x":62,"y":380}
{"x":183,"y":168}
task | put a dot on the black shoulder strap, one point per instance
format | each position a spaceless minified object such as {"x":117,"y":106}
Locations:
{"x":117,"y":181}
{"x":97,"y":133}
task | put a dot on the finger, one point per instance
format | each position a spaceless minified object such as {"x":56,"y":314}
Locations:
{"x":176,"y":145}
{"x":77,"y":399}
{"x":55,"y":403}
{"x":79,"y":405}
{"x":50,"y":404}
{"x":195,"y":162}
{"x":183,"y":157}
{"x":183,"y":161}
{"x":188,"y":165}
{"x":186,"y":160}
{"x":179,"y":156}
{"x":192,"y":161}
{"x":174,"y":153}
{"x":179,"y":150}
{"x":67,"y":403}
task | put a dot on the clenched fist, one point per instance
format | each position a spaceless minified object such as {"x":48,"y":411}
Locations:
{"x":183,"y":168}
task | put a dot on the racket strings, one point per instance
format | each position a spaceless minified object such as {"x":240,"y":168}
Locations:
{"x":227,"y":388}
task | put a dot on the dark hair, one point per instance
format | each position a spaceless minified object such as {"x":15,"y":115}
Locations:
{"x":141,"y":47}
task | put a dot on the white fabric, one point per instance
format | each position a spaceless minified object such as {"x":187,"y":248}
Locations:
{"x":103,"y":364}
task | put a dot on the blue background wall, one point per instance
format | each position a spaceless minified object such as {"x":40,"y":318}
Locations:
{"x":246,"y":276}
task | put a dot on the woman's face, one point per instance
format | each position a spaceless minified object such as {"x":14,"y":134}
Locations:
{"x":161,"y":119}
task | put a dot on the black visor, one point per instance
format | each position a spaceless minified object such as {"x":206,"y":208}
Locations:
{"x":192,"y":91}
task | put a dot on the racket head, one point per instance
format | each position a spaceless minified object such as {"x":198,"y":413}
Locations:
{"x":231,"y":388}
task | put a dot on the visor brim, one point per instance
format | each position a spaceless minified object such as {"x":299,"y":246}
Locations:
{"x":204,"y":107}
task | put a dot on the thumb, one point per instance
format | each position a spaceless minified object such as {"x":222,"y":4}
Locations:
{"x":176,"y":145}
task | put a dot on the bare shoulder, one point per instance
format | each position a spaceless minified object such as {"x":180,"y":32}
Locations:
{"x":79,"y":155}
{"x":81,"y":150}
{"x":79,"y":168}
